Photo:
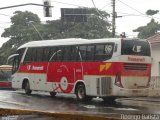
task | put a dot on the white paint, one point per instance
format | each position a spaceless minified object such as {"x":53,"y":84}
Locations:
{"x":64,"y":83}
{"x":156,"y":60}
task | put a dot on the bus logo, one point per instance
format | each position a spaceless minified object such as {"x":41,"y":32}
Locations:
{"x":137,"y":48}
{"x":29,"y":67}
{"x":105,"y":67}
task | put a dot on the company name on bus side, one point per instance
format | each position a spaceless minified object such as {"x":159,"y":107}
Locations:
{"x":29,"y":67}
{"x":136,"y":59}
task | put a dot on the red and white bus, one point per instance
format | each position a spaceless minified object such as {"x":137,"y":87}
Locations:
{"x":105,"y":68}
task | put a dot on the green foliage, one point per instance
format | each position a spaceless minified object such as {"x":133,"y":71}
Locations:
{"x":152,"y":12}
{"x":149,"y":30}
{"x":26,"y":27}
{"x":19,"y":33}
{"x":95,"y":27}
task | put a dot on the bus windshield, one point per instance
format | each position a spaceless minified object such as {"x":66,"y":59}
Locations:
{"x":135,"y":47}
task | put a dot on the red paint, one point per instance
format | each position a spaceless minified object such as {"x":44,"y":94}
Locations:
{"x":74,"y":71}
{"x":5,"y":84}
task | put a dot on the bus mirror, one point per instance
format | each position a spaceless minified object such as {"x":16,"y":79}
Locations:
{"x":11,"y":57}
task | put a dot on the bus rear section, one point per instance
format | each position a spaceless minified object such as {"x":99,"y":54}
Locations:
{"x":123,"y":72}
{"x":133,"y":76}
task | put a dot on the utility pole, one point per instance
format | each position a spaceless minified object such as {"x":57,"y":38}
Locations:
{"x":113,"y":18}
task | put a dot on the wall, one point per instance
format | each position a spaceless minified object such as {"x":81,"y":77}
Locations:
{"x":155,"y":60}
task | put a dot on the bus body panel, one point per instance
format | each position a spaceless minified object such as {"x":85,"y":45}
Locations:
{"x":60,"y":81}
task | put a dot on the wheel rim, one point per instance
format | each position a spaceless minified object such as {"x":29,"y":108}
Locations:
{"x":81,"y":93}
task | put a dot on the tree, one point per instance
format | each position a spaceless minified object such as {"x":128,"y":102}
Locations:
{"x":152,"y":12}
{"x":151,"y":28}
{"x":96,"y":26}
{"x":19,"y":32}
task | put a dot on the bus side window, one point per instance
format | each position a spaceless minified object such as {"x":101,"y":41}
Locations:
{"x":67,"y":53}
{"x":75,"y":53}
{"x":90,"y":53}
{"x":33,"y":54}
{"x":82,"y":50}
{"x":108,"y":49}
{"x":45,"y":54}
{"x":57,"y":54}
{"x":39,"y":54}
{"x":104,"y":52}
{"x":20,"y":52}
{"x":99,"y":53}
{"x":28,"y":55}
{"x":52,"y":52}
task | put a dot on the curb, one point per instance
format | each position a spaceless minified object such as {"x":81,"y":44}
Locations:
{"x":67,"y":116}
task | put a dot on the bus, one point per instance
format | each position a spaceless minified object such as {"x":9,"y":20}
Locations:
{"x":5,"y":76}
{"x":105,"y":68}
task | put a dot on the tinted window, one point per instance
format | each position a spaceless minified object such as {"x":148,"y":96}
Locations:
{"x":75,"y":53}
{"x":135,"y":47}
{"x":20,"y":52}
{"x":38,"y":54}
{"x":28,"y":55}
{"x":104,"y":52}
{"x":46,"y":52}
{"x":82,"y":50}
{"x":52,"y":52}
{"x":90,"y":52}
{"x":57,"y":54}
{"x":67,"y":53}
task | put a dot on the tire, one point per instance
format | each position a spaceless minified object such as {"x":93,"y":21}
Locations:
{"x":53,"y":94}
{"x":27,"y":89}
{"x":81,"y":93}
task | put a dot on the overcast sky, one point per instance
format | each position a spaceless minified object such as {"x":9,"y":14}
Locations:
{"x":132,"y":12}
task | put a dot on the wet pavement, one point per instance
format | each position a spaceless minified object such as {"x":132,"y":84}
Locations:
{"x":42,"y":101}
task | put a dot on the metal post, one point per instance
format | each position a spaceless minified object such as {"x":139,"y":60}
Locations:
{"x":113,"y":18}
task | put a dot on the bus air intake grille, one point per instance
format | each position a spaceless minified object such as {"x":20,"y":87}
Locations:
{"x":103,"y":85}
{"x":135,"y":66}
{"x":106,"y":85}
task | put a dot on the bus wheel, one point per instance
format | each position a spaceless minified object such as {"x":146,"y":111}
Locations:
{"x":53,"y":94}
{"x":81,"y":93}
{"x":27,"y":89}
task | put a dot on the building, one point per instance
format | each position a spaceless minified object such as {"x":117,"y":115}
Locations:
{"x":155,"y":72}
{"x":155,"y":46}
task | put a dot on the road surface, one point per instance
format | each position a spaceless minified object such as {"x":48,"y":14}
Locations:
{"x":125,"y":108}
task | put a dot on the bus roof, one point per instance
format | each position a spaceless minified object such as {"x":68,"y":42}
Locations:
{"x":69,"y":41}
